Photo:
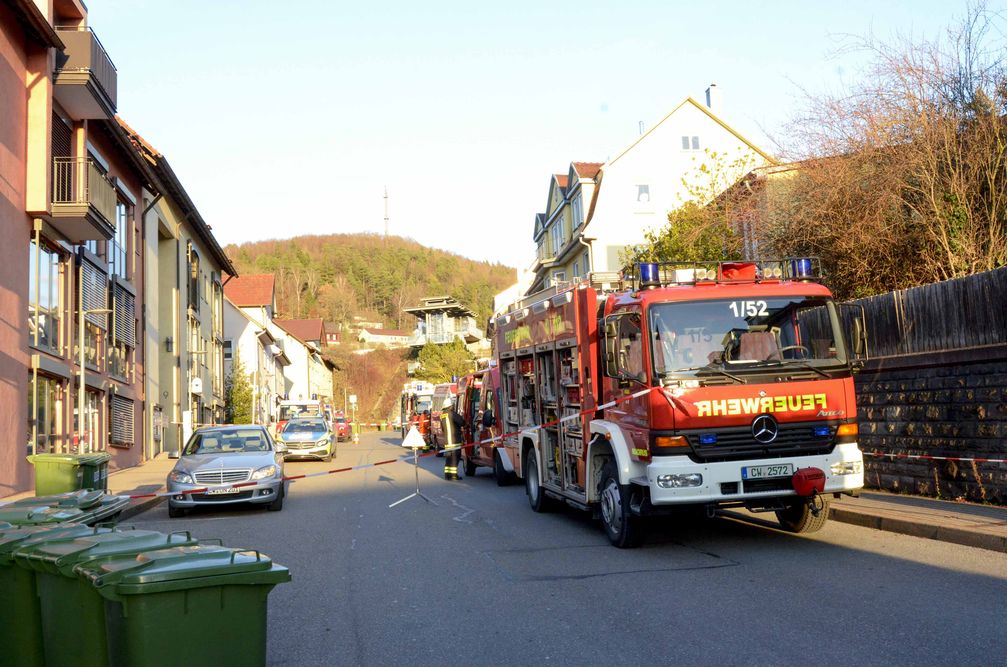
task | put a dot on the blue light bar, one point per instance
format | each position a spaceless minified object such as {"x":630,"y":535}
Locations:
{"x":822,"y":431}
{"x":708,"y":439}
{"x":801,"y":268}
{"x":649,"y":275}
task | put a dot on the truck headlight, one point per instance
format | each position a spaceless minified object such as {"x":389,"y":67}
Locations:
{"x":846,"y":468}
{"x":680,"y":481}
{"x":263,"y":473}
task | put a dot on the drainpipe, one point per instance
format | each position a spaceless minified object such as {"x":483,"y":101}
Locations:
{"x":590,"y":258}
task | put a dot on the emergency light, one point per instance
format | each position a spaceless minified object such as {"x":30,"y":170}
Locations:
{"x":822,"y":431}
{"x":650,"y":276}
{"x":800,"y":268}
{"x":708,"y":439}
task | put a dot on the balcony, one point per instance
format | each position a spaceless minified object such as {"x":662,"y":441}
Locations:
{"x":83,"y":200}
{"x":84,"y":77}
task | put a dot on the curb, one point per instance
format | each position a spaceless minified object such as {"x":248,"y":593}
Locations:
{"x":139,"y":506}
{"x":962,"y":536}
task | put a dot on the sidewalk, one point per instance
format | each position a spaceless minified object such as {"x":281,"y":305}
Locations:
{"x":981,"y":526}
{"x":148,"y":477}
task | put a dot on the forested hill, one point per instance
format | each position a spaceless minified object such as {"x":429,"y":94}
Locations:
{"x":336,"y":277}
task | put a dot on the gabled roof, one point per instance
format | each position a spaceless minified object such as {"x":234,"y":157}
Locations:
{"x":251,"y":291}
{"x":539,"y":226}
{"x":705,"y":109}
{"x":587,"y":169}
{"x":305,"y":330}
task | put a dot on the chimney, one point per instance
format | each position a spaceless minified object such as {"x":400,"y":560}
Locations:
{"x":713,"y":100}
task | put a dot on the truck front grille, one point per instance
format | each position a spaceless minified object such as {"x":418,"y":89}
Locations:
{"x":737,"y":444}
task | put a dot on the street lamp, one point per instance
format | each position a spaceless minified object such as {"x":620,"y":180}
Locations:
{"x":80,"y":343}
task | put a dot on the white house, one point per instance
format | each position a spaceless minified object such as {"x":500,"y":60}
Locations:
{"x":594,"y":211}
{"x":262,"y":357}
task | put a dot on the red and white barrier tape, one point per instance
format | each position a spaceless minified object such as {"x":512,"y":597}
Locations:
{"x":969,"y":459}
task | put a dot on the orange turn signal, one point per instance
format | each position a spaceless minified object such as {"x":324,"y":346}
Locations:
{"x":848,"y":429}
{"x":671,"y":441}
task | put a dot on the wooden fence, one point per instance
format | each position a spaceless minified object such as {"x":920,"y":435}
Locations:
{"x":951,"y":315}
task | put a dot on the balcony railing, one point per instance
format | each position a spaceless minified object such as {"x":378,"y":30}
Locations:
{"x":79,"y":188}
{"x":84,"y":61}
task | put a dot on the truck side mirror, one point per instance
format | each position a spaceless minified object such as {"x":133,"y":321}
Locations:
{"x":611,"y":349}
{"x":859,"y":337}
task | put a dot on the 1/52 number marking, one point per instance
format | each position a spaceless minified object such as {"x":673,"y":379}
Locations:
{"x":749,"y":308}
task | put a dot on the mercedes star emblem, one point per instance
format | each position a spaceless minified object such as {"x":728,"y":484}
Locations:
{"x":765,"y":429}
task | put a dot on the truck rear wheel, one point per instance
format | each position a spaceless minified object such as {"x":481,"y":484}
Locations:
{"x":502,"y":476}
{"x":797,"y":517}
{"x":532,"y":487}
{"x":624,"y":529}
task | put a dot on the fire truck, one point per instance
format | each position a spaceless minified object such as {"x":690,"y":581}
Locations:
{"x":414,"y":407}
{"x":710,"y":384}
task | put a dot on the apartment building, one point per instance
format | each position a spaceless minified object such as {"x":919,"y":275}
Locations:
{"x":184,"y":328}
{"x":72,"y":267}
{"x":261,"y":356}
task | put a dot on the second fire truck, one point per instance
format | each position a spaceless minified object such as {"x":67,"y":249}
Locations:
{"x":709,"y":384}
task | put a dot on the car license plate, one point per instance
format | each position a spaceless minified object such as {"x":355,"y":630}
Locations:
{"x":220,"y":492}
{"x":762,"y":472}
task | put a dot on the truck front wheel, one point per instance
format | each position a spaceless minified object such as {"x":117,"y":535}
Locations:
{"x":797,"y":516}
{"x":532,"y":487}
{"x":624,"y":529}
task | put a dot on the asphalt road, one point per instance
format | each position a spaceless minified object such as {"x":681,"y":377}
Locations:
{"x":479,"y":579}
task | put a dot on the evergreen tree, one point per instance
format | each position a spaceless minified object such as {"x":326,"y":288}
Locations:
{"x":237,"y":394}
{"x":440,"y":363}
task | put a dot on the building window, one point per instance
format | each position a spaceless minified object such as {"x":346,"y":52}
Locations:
{"x":119,"y":358}
{"x":690,"y":143}
{"x":193,"y":279}
{"x":43,"y":297}
{"x":557,"y":235}
{"x":578,"y":211}
{"x":88,"y":434}
{"x":119,"y":243}
{"x":120,"y":421}
{"x":558,"y":277}
{"x":92,"y":346}
{"x":643,"y":193}
{"x":227,"y":349}
{"x":44,"y":403}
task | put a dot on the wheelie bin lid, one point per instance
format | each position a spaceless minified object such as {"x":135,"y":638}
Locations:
{"x":108,"y":507}
{"x":18,"y":536}
{"x":83,"y":498}
{"x":94,"y":458}
{"x":34,"y":515}
{"x":61,"y":554}
{"x":179,"y":568}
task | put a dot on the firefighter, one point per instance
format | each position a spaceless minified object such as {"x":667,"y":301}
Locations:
{"x":451,"y":424}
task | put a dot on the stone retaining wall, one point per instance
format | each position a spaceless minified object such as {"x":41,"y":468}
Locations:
{"x":938,"y":404}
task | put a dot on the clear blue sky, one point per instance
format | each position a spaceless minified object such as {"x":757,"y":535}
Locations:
{"x":289,"y":118}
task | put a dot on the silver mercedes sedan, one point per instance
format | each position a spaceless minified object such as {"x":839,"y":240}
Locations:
{"x":222,"y":465}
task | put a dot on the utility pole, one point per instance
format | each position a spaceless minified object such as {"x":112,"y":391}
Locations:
{"x":386,"y":212}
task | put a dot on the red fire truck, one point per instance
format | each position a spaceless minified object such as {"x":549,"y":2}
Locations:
{"x":481,"y":406}
{"x":414,"y":408}
{"x":716,"y":384}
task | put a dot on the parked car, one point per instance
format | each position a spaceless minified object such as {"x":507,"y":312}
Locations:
{"x":216,"y":458}
{"x":342,"y":429}
{"x":308,"y":438}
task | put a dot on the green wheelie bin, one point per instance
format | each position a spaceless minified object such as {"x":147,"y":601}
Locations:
{"x":55,"y":473}
{"x":163,"y":607}
{"x":20,"y":613}
{"x":81,"y":506}
{"x":73,"y":613}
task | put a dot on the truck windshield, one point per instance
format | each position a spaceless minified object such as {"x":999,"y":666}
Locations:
{"x":731,"y":336}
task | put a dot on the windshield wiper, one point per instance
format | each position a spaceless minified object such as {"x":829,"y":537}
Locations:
{"x":709,"y":368}
{"x":798,"y":362}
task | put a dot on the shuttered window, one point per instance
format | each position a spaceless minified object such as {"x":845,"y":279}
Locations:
{"x":121,"y":421}
{"x":124,"y":325}
{"x":62,"y":137}
{"x":95,"y":284}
